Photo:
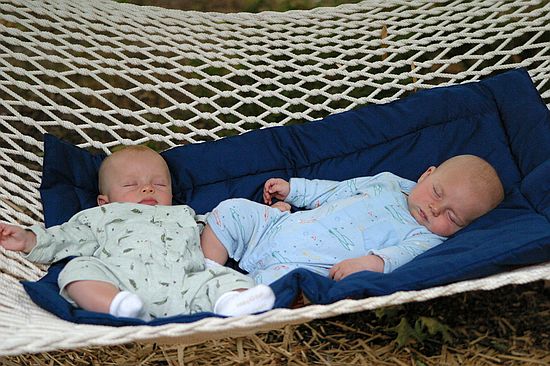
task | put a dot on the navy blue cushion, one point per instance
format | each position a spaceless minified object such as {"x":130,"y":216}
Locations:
{"x":501,"y":118}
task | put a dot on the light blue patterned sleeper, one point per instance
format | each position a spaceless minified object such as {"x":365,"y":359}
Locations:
{"x":342,"y":220}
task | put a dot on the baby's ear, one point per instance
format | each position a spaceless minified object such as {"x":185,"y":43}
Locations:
{"x":102,"y":199}
{"x":428,"y":171}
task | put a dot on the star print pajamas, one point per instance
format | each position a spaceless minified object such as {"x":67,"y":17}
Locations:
{"x":152,"y":251}
{"x":349,"y":219}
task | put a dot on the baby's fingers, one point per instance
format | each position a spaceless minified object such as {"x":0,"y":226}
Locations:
{"x":267,"y":197}
{"x":269,"y":189}
{"x":5,"y":230}
{"x":333,"y":272}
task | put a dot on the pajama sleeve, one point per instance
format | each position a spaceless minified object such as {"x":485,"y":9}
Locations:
{"x":397,"y":255}
{"x":73,"y":238}
{"x":310,"y":194}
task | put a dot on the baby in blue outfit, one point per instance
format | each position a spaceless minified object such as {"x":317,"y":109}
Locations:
{"x":373,"y":223}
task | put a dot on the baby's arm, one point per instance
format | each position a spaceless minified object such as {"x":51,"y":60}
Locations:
{"x":72,"y":238}
{"x":396,"y":256}
{"x":16,"y":238}
{"x":347,"y":267}
{"x":307,"y":193}
{"x":313,"y":193}
{"x":387,"y":259}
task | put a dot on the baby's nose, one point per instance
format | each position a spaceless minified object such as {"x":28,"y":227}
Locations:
{"x":435,"y":209}
{"x":148,"y":188}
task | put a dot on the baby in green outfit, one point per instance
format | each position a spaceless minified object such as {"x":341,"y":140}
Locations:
{"x":137,"y":255}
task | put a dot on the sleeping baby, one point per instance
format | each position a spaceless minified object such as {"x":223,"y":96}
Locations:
{"x":136,"y":254}
{"x":373,"y":223}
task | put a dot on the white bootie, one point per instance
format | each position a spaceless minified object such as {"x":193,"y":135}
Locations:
{"x":254,"y":300}
{"x":209,"y":263}
{"x":126,"y":304}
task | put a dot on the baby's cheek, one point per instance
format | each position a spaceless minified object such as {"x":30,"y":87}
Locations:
{"x":442,"y":227}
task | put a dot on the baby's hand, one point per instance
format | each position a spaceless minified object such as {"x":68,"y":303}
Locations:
{"x":275,"y":188}
{"x":16,"y":238}
{"x":282,"y":206}
{"x":347,"y":267}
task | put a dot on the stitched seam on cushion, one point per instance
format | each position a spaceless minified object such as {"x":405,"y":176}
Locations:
{"x":258,"y":172}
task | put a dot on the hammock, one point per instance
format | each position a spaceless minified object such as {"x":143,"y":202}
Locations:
{"x":100,"y":74}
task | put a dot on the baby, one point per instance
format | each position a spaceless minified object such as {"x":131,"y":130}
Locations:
{"x":373,"y":223}
{"x":137,"y":256}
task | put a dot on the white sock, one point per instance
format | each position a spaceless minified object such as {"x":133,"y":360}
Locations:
{"x":126,"y":304}
{"x":209,"y":263}
{"x":254,"y":300}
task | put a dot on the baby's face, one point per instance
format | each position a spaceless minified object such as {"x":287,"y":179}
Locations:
{"x":445,"y":202}
{"x":138,"y":177}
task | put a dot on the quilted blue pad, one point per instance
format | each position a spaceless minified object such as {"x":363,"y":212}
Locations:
{"x":501,"y":118}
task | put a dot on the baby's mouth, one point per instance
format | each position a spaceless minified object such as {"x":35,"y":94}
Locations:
{"x":149,"y":201}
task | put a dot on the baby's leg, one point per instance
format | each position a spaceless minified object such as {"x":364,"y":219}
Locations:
{"x":104,"y":297}
{"x":212,"y":248}
{"x":89,"y":283}
{"x":92,"y":295}
{"x":238,"y":228}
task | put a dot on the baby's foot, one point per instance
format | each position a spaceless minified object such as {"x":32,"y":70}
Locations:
{"x":126,"y":304}
{"x":254,"y":300}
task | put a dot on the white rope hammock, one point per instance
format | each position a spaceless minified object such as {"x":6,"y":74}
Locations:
{"x":99,"y":73}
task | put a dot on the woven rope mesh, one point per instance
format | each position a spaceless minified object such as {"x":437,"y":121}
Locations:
{"x":100,"y":73}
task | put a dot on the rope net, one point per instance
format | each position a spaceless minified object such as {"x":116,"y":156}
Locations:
{"x":100,"y":73}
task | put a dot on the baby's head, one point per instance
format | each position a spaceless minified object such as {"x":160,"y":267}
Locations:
{"x":452,"y":195}
{"x":135,"y":174}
